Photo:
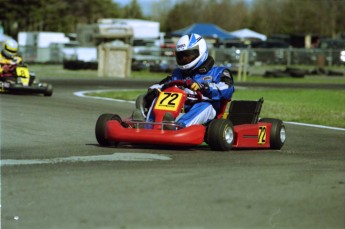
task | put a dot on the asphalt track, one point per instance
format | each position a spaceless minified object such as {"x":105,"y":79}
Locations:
{"x":54,"y":175}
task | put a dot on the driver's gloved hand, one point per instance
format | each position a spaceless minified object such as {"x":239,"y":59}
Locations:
{"x":7,"y":68}
{"x":195,"y":86}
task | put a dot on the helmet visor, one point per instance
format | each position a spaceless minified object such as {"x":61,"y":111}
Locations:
{"x":187,"y":56}
{"x":7,"y":54}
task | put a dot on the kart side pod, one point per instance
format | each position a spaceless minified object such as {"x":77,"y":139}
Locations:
{"x":252,"y":132}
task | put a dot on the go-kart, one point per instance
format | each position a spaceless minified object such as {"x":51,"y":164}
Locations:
{"x":19,"y":80}
{"x":239,"y":128}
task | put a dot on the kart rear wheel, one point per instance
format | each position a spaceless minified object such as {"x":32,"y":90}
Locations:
{"x":277,"y":134}
{"x":220,"y":134}
{"x":100,"y":130}
{"x":49,"y":90}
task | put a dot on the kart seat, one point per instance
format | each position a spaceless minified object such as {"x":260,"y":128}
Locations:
{"x":245,"y":111}
{"x":223,"y":105}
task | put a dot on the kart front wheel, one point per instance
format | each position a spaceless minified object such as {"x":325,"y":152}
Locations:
{"x":220,"y":134}
{"x":140,"y":104}
{"x":49,"y":90}
{"x":277,"y":134}
{"x":101,"y":129}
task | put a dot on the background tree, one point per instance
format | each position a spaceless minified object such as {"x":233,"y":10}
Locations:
{"x":259,"y":19}
{"x":182,"y":15}
{"x":227,"y":14}
{"x":133,"y":10}
{"x":53,"y":15}
{"x":317,"y":17}
{"x":160,"y":11}
{"x":322,"y":17}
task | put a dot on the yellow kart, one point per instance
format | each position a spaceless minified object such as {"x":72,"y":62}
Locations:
{"x":19,"y":80}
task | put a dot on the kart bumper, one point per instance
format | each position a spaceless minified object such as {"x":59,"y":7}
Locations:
{"x":33,"y":89}
{"x":189,"y":136}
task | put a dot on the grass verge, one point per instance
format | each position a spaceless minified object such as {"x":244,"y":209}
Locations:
{"x":51,"y":71}
{"x":322,"y":107}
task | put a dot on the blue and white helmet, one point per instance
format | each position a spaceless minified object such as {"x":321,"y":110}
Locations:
{"x":191,"y":51}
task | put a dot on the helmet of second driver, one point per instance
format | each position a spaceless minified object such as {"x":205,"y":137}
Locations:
{"x":191,"y":52}
{"x":10,"y":49}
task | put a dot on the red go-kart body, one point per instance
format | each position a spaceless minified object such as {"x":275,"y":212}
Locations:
{"x":240,"y":128}
{"x":189,"y":136}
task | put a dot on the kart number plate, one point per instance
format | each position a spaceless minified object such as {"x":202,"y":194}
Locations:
{"x":168,"y":101}
{"x":262,"y":135}
{"x":23,"y":72}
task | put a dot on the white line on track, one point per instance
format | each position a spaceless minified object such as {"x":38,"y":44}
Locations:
{"x":82,"y":94}
{"x":317,"y":126}
{"x":112,"y":157}
{"x":117,"y":156}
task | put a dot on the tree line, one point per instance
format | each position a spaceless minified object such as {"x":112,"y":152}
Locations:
{"x":316,"y":17}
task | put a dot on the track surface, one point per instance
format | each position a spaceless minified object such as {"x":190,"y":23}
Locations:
{"x":300,"y":186}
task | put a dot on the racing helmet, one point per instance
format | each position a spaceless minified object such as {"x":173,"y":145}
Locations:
{"x":10,"y":49}
{"x":191,"y":51}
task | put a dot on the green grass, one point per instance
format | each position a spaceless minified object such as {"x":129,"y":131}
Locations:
{"x":322,"y":107}
{"x":314,"y":106}
{"x":305,"y":80}
{"x":57,"y":71}
{"x":49,"y":71}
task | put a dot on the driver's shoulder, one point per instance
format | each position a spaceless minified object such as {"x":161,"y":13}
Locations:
{"x":4,"y":60}
{"x":217,"y":70}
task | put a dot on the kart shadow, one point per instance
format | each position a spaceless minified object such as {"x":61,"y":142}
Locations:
{"x":156,"y":147}
{"x":200,"y":148}
{"x":21,"y":94}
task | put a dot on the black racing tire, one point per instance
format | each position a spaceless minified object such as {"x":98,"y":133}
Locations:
{"x":100,"y":130}
{"x":49,"y":90}
{"x":32,"y":79}
{"x":277,"y":134}
{"x":220,"y":134}
{"x":141,"y":104}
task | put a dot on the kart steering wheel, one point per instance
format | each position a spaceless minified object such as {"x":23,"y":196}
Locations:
{"x":183,"y":84}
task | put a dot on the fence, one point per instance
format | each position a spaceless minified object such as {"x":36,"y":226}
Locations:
{"x":33,"y":54}
{"x":271,"y":56}
{"x":290,"y":56}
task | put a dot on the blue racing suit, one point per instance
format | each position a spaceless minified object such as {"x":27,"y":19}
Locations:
{"x":216,"y":85}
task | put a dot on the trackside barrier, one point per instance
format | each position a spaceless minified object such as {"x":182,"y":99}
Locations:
{"x":114,"y":60}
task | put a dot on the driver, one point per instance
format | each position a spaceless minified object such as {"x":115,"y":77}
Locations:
{"x":9,"y":57}
{"x":197,"y":69}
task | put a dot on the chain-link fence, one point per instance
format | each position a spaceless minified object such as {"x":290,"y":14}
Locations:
{"x":290,"y":56}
